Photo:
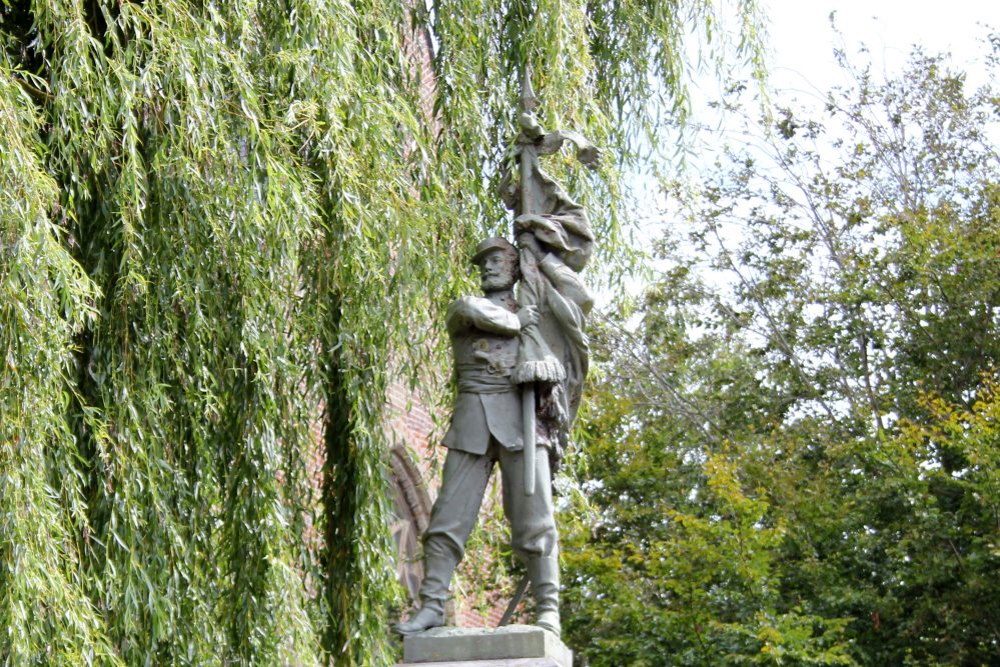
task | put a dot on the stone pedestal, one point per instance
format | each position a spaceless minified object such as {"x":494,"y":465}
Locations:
{"x":509,"y":646}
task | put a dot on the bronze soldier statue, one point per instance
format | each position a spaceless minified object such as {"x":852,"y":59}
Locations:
{"x":486,"y":428}
{"x":520,"y":365}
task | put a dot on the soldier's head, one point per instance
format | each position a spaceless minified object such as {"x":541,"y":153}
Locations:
{"x":498,"y":264}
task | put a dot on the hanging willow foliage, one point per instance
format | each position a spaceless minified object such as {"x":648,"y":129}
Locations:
{"x":220,"y":222}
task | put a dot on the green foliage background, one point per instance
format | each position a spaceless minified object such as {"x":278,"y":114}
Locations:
{"x":792,"y":455}
{"x":222,"y":221}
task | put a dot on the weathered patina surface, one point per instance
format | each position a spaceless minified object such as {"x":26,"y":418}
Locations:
{"x":520,"y":363}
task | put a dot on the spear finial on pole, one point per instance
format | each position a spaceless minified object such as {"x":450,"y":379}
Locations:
{"x":528,"y":100}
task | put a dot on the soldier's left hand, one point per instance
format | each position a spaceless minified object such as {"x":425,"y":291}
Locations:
{"x":528,"y":316}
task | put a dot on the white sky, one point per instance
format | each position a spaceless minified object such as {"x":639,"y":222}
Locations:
{"x":802,"y":41}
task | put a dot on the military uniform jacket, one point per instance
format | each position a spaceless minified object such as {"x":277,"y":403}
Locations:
{"x":484,"y":338}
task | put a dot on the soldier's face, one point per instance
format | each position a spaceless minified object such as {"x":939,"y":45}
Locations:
{"x":496,"y":271}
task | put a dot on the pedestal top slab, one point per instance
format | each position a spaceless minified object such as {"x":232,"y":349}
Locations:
{"x":517,"y":644}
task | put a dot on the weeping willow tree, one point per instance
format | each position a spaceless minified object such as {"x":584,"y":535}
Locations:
{"x":220,"y":223}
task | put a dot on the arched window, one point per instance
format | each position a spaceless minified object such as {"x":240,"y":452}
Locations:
{"x":412,"y":512}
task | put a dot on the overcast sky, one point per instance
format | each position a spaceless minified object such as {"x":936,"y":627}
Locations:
{"x":802,"y":41}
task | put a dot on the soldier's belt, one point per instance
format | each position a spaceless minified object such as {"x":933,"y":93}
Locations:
{"x":488,"y":379}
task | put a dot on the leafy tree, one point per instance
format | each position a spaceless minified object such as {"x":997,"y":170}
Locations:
{"x":674,"y":556}
{"x":219,"y":220}
{"x":812,"y":428}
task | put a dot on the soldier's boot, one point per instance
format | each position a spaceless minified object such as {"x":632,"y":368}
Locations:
{"x":430,"y":615}
{"x":433,"y":593}
{"x":543,"y":572}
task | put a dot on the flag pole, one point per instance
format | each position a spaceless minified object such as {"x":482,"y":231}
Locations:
{"x":528,"y":156}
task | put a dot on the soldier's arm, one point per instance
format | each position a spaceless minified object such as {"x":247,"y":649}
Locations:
{"x":483,"y":314}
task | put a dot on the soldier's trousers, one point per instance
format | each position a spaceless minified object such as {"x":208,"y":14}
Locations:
{"x":533,"y":528}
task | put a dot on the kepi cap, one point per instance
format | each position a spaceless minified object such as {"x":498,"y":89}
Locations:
{"x":495,"y":243}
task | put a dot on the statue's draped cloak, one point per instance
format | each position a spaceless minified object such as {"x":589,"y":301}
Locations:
{"x":562,"y":229}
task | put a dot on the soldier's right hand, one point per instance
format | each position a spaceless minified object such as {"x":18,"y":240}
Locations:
{"x":528,"y":316}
